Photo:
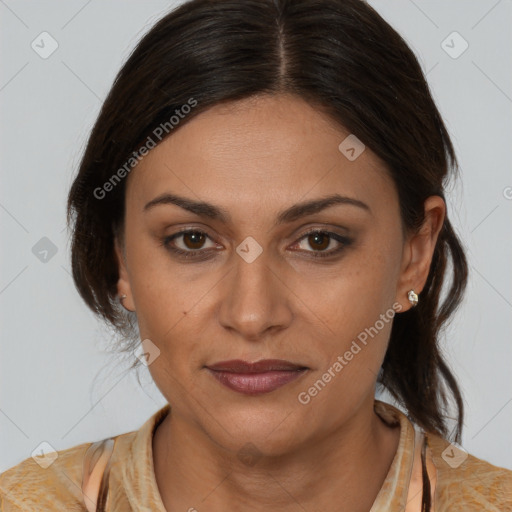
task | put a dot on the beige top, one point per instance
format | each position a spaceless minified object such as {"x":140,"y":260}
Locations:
{"x":460,"y":481}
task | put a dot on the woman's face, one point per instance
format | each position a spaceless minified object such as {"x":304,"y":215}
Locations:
{"x":248,"y":285}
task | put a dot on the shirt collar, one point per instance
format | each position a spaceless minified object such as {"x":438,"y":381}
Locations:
{"x":139,"y":482}
{"x":394,"y":490}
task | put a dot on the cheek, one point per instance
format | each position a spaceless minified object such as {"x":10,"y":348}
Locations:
{"x":357,"y":306}
{"x":153,"y":283}
{"x":359,"y":290}
{"x":169,"y":306}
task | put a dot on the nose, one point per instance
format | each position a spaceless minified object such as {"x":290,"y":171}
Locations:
{"x":256,"y":300}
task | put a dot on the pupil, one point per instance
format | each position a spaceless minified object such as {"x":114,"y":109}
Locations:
{"x":322,"y":237}
{"x":196,"y":237}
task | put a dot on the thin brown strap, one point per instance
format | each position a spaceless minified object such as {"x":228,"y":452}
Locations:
{"x":423,"y":468}
{"x":426,"y":505}
{"x":96,"y":468}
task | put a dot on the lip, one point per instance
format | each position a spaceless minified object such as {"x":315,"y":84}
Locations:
{"x":264,"y":365}
{"x":258,"y":377}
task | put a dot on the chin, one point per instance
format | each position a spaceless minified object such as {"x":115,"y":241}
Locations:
{"x":266,"y":433}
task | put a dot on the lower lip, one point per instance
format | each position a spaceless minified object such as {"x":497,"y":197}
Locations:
{"x":256,"y":383}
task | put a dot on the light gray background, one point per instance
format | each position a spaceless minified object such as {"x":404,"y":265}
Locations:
{"x":57,"y":384}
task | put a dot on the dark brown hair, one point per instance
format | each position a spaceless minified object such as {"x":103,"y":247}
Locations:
{"x":339,"y":55}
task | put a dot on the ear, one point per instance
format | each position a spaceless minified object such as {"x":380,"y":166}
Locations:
{"x":123,"y":283}
{"x":419,"y":250}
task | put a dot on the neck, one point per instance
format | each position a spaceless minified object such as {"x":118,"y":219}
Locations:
{"x":345,"y":467}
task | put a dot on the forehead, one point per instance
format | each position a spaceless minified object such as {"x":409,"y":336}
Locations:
{"x":259,"y":151}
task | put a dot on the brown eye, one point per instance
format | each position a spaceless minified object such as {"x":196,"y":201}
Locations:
{"x":319,"y":240}
{"x":188,"y":244}
{"x":193,"y":239}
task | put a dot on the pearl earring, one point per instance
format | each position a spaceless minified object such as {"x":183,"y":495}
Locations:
{"x":122,"y":297}
{"x":413,"y":298}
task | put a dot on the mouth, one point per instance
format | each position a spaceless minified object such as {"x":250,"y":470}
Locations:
{"x":256,"y":378}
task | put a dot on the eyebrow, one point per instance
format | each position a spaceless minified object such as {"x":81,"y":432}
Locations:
{"x":297,"y":211}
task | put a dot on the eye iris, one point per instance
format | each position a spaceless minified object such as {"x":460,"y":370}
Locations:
{"x":315,"y":237}
{"x":196,"y":237}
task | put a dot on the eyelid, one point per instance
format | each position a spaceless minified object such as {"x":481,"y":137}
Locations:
{"x":342,"y":240}
{"x":189,"y":230}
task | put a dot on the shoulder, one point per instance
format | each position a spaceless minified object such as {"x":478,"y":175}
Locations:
{"x":465,"y":482}
{"x":51,"y":481}
{"x":44,"y":482}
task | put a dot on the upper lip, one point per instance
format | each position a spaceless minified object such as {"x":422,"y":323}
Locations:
{"x":265,"y":365}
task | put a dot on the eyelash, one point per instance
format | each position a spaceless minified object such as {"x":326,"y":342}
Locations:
{"x":196,"y":254}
